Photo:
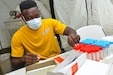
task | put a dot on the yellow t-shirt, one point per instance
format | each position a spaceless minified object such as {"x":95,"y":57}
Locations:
{"x":41,"y":41}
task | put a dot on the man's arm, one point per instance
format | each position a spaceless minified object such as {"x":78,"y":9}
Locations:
{"x":73,"y":38}
{"x":17,"y":62}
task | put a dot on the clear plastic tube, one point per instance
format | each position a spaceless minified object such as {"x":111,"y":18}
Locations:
{"x":89,"y":54}
{"x":97,"y":54}
{"x":101,"y":54}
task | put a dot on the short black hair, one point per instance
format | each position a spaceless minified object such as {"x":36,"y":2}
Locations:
{"x":27,"y":4}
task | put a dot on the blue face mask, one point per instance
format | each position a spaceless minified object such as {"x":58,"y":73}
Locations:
{"x":34,"y":23}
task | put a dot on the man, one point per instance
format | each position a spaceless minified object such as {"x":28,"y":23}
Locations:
{"x":36,"y":40}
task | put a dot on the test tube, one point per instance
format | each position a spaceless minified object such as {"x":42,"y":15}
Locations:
{"x":97,"y":53}
{"x":76,"y":49}
{"x":101,"y":53}
{"x":89,"y":54}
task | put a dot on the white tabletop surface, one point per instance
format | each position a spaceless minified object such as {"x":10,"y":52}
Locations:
{"x":109,"y":60}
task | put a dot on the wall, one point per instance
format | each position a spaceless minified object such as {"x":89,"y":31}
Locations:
{"x":5,"y":7}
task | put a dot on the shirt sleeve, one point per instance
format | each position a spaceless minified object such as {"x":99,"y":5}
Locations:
{"x":59,"y":27}
{"x":17,"y":49}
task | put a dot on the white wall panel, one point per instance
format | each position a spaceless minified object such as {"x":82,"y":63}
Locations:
{"x":5,"y":7}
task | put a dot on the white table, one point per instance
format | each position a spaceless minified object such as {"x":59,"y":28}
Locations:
{"x":109,"y":60}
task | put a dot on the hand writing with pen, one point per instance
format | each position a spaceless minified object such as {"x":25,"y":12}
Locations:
{"x":30,"y":58}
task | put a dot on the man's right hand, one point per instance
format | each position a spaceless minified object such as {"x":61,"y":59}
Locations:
{"x":30,"y":58}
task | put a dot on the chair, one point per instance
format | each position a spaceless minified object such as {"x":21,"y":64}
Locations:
{"x":91,"y":31}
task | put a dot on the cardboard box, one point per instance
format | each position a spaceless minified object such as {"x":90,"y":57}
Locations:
{"x":82,"y":66}
{"x":72,"y":64}
{"x":47,"y":66}
{"x":43,"y":67}
{"x":93,"y":68}
{"x":70,"y":68}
